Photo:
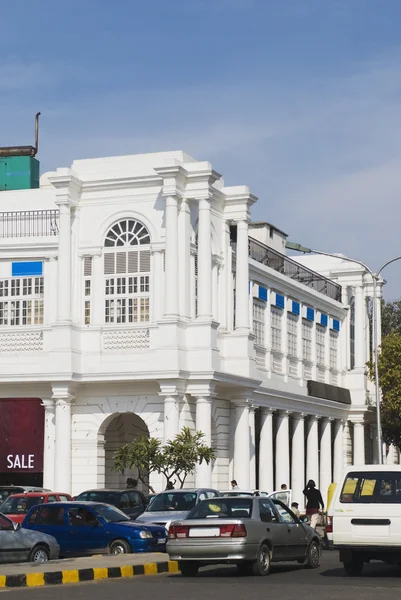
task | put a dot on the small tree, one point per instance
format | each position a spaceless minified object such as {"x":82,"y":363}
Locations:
{"x":389,"y":367}
{"x":178,"y":458}
{"x":142,"y":454}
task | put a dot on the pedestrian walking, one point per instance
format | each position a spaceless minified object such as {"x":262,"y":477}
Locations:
{"x":314,"y":501}
{"x":234,"y":485}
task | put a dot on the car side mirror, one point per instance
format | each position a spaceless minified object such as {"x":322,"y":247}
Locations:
{"x":303,"y":519}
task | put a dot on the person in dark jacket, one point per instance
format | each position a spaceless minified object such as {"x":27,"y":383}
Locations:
{"x":314,"y":501}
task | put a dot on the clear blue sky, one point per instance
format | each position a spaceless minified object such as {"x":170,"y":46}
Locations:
{"x":299,"y":99}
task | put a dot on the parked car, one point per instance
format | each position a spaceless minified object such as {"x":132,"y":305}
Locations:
{"x":131,"y":502}
{"x":7,"y":490}
{"x":86,"y":527}
{"x":17,"y":545}
{"x":17,"y":505}
{"x":364,"y":516}
{"x":248,"y":532}
{"x":235,"y":493}
{"x":174,"y":504}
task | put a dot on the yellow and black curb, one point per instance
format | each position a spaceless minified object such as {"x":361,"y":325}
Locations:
{"x":80,"y":575}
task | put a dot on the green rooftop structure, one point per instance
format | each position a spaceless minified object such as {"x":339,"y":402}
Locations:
{"x":19,"y":169}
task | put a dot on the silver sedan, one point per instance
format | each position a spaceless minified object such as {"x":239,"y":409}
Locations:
{"x":249,"y":532}
{"x":17,"y":545}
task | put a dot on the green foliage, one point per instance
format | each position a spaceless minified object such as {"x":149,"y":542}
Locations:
{"x":389,"y":366}
{"x":391,"y":317}
{"x":177,"y":459}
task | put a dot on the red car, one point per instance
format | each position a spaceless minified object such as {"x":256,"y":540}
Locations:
{"x":17,"y":505}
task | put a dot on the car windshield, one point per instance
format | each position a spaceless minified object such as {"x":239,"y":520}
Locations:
{"x":179,"y":501}
{"x":20,"y":506}
{"x":101,"y":496}
{"x":111,"y":514}
{"x":223,"y":508}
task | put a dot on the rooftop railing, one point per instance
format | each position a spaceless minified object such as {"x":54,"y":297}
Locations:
{"x":290,"y":268}
{"x":29,"y":223}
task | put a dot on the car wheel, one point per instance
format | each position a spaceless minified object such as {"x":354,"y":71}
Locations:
{"x":39,"y":554}
{"x":313,"y":555}
{"x":120,"y":547}
{"x":261,"y":566}
{"x":189,"y":569}
{"x":354,"y":566}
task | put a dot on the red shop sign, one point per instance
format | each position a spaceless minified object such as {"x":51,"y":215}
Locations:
{"x":21,"y":435}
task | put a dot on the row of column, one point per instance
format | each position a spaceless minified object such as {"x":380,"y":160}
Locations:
{"x":321,"y":458}
{"x":176,"y":265}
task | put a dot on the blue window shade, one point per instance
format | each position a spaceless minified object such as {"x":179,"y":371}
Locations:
{"x":24,"y":269}
{"x":296,"y":308}
{"x":336,"y":325}
{"x":279,"y":301}
{"x":324,"y":320}
{"x":262,"y":294}
{"x":310,"y":314}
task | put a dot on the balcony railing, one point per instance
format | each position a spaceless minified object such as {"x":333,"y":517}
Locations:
{"x":29,"y":223}
{"x":290,"y":268}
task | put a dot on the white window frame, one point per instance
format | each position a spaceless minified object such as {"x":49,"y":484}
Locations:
{"x":320,"y":336}
{"x":22,"y":301}
{"x":307,"y":332}
{"x":292,"y":334}
{"x":258,"y":320}
{"x":276,"y":328}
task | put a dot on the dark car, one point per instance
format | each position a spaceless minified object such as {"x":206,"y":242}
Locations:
{"x":90,"y":527}
{"x":131,"y":502}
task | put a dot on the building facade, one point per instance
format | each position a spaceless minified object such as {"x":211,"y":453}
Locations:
{"x":137,"y":297}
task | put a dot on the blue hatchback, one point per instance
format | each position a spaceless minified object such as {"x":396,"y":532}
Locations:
{"x":90,"y":527}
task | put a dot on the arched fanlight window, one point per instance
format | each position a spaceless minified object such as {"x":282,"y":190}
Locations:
{"x":127,"y":273}
{"x":127,"y":232}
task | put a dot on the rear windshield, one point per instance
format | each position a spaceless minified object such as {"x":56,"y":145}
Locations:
{"x":223,"y":508}
{"x":101,"y":496}
{"x":372,"y":487}
{"x":179,"y":501}
{"x":20,"y":506}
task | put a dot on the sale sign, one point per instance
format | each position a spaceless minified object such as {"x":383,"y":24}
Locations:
{"x":21,"y":435}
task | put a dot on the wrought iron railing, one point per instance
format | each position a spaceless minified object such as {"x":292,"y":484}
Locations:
{"x":29,"y":223}
{"x":290,"y":268}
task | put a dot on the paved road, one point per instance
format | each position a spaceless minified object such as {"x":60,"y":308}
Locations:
{"x":286,"y":582}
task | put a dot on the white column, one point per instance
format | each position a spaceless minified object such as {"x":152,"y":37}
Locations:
{"x":298,"y":459}
{"x":360,"y":358}
{"x":241,"y":446}
{"x":49,"y":444}
{"x":252,"y":449}
{"x":204,"y":424}
{"x":62,"y":479}
{"x":171,"y":417}
{"x":204,"y":261}
{"x":242,"y":277}
{"x":171,"y":269}
{"x":312,"y":451}
{"x":266,"y":451}
{"x":64,"y":264}
{"x":215,"y":290}
{"x":390,"y":455}
{"x":282,"y":449}
{"x":338,"y":450}
{"x":325,"y":458}
{"x":359,"y":443}
{"x":344,"y":334}
{"x":229,"y":282}
{"x":184,"y":257}
{"x":157,"y":284}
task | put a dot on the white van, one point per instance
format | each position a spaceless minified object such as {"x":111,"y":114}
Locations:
{"x":364,"y":517}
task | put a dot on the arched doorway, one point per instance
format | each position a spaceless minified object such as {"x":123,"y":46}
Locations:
{"x":117,"y":430}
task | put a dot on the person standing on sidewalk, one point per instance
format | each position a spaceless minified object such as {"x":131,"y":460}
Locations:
{"x":314,"y":501}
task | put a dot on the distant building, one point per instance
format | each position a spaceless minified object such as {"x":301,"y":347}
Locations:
{"x":137,"y":298}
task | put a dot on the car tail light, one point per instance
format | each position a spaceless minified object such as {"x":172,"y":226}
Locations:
{"x":232,"y":531}
{"x":329,"y":525}
{"x":178,"y":531}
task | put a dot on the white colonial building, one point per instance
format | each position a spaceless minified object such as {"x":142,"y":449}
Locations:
{"x":137,"y":297}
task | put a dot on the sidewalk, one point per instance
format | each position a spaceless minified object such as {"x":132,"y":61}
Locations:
{"x":90,"y":568}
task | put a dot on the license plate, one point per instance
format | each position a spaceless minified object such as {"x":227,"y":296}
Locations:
{"x":204,"y":532}
{"x":161,"y":541}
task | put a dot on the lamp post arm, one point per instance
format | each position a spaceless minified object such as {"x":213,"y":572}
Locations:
{"x":387,"y":263}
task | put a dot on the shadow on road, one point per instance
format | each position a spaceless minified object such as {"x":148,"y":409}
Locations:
{"x":372,"y":570}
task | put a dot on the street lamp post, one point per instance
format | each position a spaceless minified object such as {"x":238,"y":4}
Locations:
{"x":375,"y":344}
